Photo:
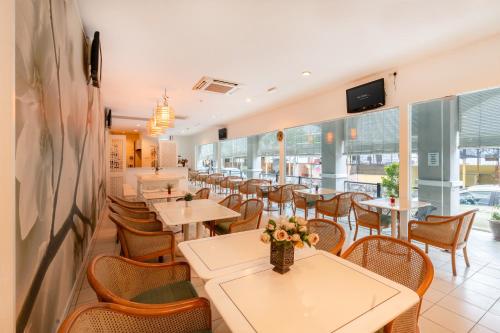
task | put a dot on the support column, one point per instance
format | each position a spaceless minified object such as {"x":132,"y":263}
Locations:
{"x":438,"y":154}
{"x":333,"y":161}
{"x":282,"y":177}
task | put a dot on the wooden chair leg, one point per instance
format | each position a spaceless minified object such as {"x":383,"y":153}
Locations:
{"x":426,"y":248}
{"x":356,"y":232}
{"x":466,"y":257}
{"x":453,"y":262}
{"x":370,"y":231}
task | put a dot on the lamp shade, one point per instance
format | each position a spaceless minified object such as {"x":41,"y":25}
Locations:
{"x":153,"y":128}
{"x":164,"y":114}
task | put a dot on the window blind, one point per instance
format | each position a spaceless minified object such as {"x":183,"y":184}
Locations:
{"x":233,"y":148}
{"x":303,"y":140}
{"x":268,"y":145}
{"x":372,"y":133}
{"x":479,"y":119}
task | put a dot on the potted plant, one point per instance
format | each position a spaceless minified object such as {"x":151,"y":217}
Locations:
{"x":169,"y":188}
{"x":390,"y":182}
{"x":495,"y":223}
{"x":187,"y":198}
{"x":284,"y":235}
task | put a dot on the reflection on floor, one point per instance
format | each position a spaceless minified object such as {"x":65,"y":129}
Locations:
{"x":469,"y":302}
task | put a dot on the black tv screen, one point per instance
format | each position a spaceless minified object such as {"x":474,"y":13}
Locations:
{"x":368,"y":96}
{"x":222,"y":133}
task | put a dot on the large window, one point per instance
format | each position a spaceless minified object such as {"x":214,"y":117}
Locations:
{"x":303,"y":153}
{"x":233,"y":154}
{"x":205,"y":157}
{"x":455,"y":154}
{"x":268,"y":154}
{"x":371,"y":143}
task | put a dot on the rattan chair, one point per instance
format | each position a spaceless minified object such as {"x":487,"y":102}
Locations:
{"x":232,"y":201}
{"x":446,"y":232}
{"x":331,"y":235}
{"x":140,"y":285}
{"x":192,"y":174}
{"x":214,"y":179}
{"x":201,"y":178}
{"x":132,"y":213}
{"x":336,"y":207}
{"x":281,"y":195}
{"x":369,"y":218}
{"x":249,"y":187}
{"x":300,"y":201}
{"x":203,"y":193}
{"x":190,"y":316}
{"x":143,"y":244}
{"x":226,"y":184}
{"x":137,"y":205}
{"x":398,"y":261}
{"x":249,"y":219}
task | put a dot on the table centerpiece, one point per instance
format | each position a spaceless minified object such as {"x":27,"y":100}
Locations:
{"x":285,"y":235}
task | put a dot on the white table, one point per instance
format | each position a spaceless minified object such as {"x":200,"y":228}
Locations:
{"x":176,"y":213}
{"x":402,"y":207}
{"x":220,"y":255}
{"x":175,"y":194}
{"x":159,"y":181}
{"x":320,"y":293}
{"x":315,"y":195}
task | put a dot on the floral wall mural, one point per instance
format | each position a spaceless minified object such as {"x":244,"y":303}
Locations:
{"x":60,"y":169}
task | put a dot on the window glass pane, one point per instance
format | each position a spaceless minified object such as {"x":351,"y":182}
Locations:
{"x":455,"y":154}
{"x":205,"y":155}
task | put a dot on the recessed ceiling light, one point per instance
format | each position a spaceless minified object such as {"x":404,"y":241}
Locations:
{"x":248,"y":100}
{"x":271,"y":90}
{"x":306,"y":73}
{"x":135,"y":130}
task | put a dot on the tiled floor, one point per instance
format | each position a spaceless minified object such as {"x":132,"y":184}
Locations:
{"x":469,"y":302}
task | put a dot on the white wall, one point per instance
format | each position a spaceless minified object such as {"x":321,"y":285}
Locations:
{"x":7,"y":195}
{"x":472,"y":67}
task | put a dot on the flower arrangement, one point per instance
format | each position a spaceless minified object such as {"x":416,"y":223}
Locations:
{"x":188,"y":197}
{"x":289,"y":231}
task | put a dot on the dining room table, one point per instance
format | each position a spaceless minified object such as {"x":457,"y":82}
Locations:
{"x":321,"y":293}
{"x":184,"y":213}
{"x":398,"y":207}
{"x":320,"y":193}
{"x":155,"y":196}
{"x":216,"y":256}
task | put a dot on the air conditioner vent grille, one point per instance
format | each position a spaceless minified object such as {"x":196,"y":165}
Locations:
{"x":216,"y":86}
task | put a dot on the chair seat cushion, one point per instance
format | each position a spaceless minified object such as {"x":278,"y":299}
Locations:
{"x":166,"y":294}
{"x":385,"y":220}
{"x":222,"y":228}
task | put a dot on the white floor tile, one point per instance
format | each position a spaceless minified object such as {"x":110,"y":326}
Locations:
{"x":427,"y":326}
{"x":433,"y":295}
{"x":448,"y":319}
{"x":481,"y":329}
{"x":491,"y":321}
{"x":473,"y":297}
{"x":462,"y":308}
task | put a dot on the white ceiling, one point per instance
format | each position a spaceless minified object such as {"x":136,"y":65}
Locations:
{"x":151,"y":45}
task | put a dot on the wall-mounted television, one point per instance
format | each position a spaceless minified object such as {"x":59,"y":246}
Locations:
{"x":222,"y":133}
{"x":365,"y":97}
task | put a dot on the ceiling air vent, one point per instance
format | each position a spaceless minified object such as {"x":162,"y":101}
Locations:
{"x":216,"y":86}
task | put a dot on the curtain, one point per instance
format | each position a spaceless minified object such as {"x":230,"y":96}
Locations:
{"x":303,"y":140}
{"x":268,"y":145}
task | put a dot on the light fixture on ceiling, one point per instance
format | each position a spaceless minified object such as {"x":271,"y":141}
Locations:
{"x":138,"y":125}
{"x":164,"y":113}
{"x":248,"y":100}
{"x":306,"y":73}
{"x":153,"y":128}
{"x":272,"y":89}
{"x":135,"y":130}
